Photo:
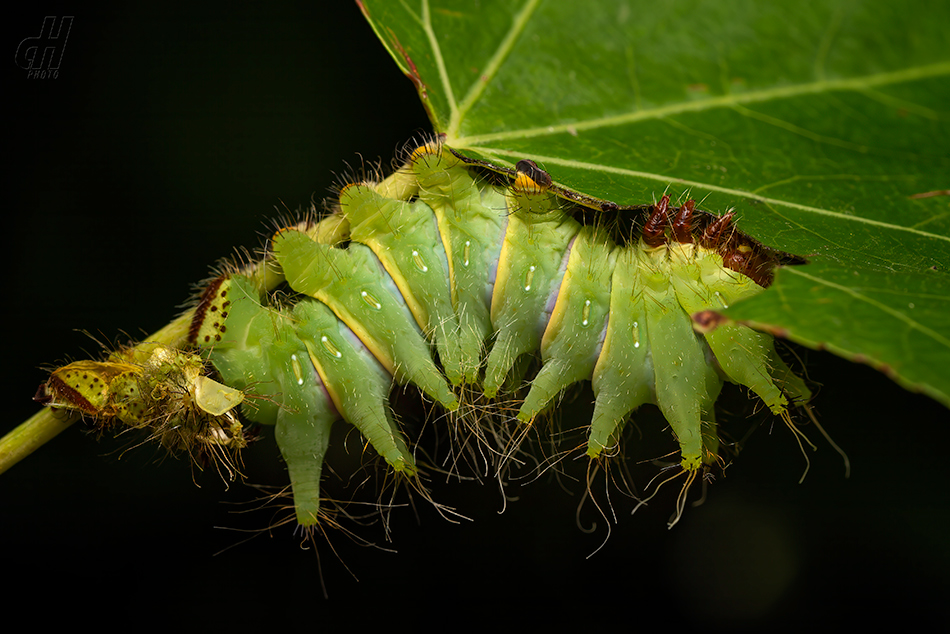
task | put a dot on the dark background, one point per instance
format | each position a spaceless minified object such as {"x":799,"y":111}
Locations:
{"x":168,"y":139}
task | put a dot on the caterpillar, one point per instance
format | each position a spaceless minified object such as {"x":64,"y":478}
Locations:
{"x":445,"y":277}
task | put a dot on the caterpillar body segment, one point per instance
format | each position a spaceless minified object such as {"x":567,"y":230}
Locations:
{"x":686,"y":384}
{"x":623,"y":377}
{"x":471,"y":220}
{"x":259,"y":350}
{"x":532,"y":262}
{"x":405,"y":238}
{"x":575,"y":331}
{"x":356,"y":382}
{"x":744,"y":356}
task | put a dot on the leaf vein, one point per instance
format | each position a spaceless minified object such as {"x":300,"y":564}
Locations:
{"x":911,"y":323}
{"x":439,"y":59}
{"x":857,"y":84}
{"x":491,"y":68}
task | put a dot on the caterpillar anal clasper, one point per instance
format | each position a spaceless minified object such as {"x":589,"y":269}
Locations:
{"x":448,"y":280}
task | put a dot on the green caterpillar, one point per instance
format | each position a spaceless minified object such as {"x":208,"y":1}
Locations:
{"x":440,"y":278}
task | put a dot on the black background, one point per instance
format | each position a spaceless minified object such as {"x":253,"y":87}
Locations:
{"x":171,"y":137}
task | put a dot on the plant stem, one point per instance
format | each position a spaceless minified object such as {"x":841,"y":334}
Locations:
{"x":31,"y":435}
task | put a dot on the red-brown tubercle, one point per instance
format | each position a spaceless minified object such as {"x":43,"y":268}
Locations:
{"x":739,"y":252}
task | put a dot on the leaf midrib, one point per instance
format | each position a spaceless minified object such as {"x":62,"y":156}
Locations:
{"x":862,"y":83}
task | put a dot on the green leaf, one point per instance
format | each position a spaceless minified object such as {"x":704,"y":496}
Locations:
{"x":824,"y":124}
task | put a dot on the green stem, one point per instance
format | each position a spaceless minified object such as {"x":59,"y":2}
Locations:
{"x":31,"y":435}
